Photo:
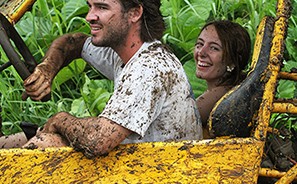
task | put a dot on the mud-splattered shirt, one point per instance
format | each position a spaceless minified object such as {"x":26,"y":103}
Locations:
{"x":152,"y":95}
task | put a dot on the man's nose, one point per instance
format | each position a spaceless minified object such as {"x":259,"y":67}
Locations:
{"x":91,"y":16}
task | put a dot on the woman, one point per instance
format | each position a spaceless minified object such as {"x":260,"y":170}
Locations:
{"x":221,"y":54}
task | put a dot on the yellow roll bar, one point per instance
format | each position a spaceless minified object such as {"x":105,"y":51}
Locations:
{"x":15,"y":9}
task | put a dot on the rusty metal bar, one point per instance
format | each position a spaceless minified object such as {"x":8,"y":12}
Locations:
{"x":25,"y":6}
{"x":287,"y":76}
{"x":283,"y":108}
{"x":205,"y":161}
{"x":285,"y":100}
{"x":277,"y":49}
{"x":12,"y":34}
{"x":24,"y":69}
{"x":280,"y":29}
{"x":289,"y":176}
{"x":10,"y":51}
{"x":5,"y":65}
{"x":271,"y":173}
{"x":13,"y":10}
{"x":284,"y":8}
{"x":273,"y":130}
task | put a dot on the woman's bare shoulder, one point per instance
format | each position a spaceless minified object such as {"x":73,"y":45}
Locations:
{"x":215,"y":93}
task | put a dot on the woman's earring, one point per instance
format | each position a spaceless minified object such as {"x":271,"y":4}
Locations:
{"x":230,"y":69}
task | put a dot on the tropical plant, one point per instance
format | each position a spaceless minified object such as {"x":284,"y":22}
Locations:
{"x":38,"y":28}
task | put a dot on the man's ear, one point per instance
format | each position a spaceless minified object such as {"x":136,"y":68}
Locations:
{"x":135,"y":13}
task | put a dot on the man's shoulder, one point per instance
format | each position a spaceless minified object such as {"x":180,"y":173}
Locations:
{"x":157,"y":46}
{"x":157,"y":51}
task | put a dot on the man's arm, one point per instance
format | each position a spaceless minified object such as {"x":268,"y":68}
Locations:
{"x":62,"y":51}
{"x":93,"y":136}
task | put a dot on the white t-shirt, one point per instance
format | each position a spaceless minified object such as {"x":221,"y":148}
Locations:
{"x":152,"y":95}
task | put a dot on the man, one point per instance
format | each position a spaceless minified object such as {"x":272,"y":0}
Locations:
{"x":152,"y":99}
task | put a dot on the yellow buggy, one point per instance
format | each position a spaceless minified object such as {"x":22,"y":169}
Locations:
{"x":224,"y":159}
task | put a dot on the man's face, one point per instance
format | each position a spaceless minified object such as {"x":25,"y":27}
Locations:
{"x":109,"y":26}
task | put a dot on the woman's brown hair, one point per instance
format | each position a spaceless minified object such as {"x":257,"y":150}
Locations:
{"x":236,"y":43}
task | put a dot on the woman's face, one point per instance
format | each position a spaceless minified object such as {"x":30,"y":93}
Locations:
{"x":208,"y":56}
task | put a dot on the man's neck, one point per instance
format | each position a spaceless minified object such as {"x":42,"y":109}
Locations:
{"x":133,"y":44}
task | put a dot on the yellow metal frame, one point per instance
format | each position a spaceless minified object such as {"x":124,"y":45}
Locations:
{"x":15,"y":9}
{"x":207,"y":161}
{"x":220,"y":160}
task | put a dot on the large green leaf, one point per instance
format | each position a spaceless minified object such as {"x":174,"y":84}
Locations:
{"x":79,"y":108}
{"x":97,"y":100}
{"x":287,"y":88}
{"x":291,"y":41}
{"x":95,"y":95}
{"x":185,"y":20}
{"x":75,"y":8}
{"x":75,"y":67}
{"x":103,"y":83}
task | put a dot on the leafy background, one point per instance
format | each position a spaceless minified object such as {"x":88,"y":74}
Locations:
{"x":82,"y":91}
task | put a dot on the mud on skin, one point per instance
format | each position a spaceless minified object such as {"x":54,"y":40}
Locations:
{"x":88,"y":135}
{"x":44,"y":140}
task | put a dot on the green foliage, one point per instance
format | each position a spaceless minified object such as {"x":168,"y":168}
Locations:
{"x":94,"y":97}
{"x":38,"y":28}
{"x":49,"y":20}
{"x":15,"y":110}
{"x":184,"y":21}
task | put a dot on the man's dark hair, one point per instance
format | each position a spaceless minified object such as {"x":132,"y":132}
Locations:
{"x":153,"y":24}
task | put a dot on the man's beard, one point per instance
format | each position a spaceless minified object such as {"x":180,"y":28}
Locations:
{"x":115,"y":35}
